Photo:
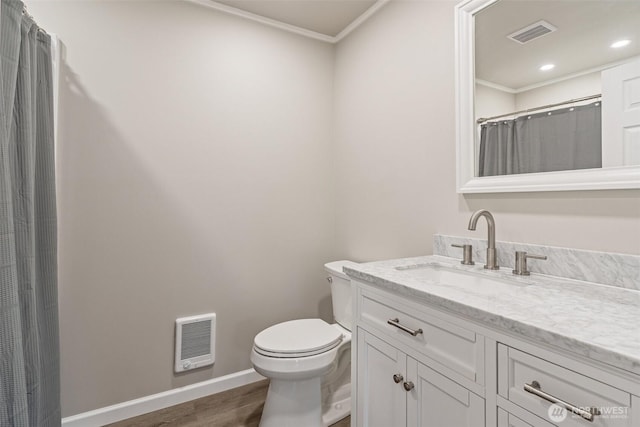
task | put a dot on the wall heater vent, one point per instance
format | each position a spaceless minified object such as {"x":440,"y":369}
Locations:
{"x":195,"y":342}
{"x":532,"y":32}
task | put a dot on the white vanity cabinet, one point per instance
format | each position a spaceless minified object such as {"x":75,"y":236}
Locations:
{"x":531,"y":383}
{"x":417,"y":364}
{"x":505,"y":419}
{"x":404,"y":371}
{"x":381,"y":372}
{"x":397,"y":390}
{"x":439,"y":401}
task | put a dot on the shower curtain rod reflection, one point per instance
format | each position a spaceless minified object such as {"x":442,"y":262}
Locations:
{"x":571,"y":101}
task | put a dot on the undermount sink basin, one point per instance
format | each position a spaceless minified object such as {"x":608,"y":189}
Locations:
{"x":461,"y":278}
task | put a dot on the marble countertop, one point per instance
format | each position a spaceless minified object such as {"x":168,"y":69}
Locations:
{"x":596,"y":321}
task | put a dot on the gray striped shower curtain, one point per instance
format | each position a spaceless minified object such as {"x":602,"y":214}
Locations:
{"x":563,"y":139}
{"x":29,"y":349}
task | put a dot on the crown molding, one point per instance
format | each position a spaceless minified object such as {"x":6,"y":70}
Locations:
{"x":212,"y":4}
{"x":495,"y":86}
{"x":360,"y":19}
{"x":553,"y":81}
{"x":574,"y":75}
{"x":263,"y":20}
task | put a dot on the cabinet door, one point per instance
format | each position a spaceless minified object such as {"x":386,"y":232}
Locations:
{"x":437,"y":401}
{"x":505,"y":419}
{"x":381,"y":401}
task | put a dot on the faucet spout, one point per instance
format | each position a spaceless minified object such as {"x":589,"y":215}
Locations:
{"x":491,"y":263}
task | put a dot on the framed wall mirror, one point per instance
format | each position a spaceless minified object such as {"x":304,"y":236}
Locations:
{"x":547,"y":95}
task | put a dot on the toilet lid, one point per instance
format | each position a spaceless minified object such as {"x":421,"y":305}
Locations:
{"x":297,"y":338}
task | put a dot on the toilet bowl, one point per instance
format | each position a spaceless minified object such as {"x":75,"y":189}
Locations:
{"x":308,"y":363}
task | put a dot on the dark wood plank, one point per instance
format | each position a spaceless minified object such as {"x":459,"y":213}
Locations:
{"x":346,"y":422}
{"x":238,"y":407}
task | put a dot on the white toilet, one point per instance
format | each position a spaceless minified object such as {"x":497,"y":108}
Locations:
{"x":308,"y":362}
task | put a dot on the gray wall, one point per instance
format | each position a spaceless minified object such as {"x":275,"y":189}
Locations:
{"x":194,"y":176}
{"x":208,"y":163}
{"x":395,"y":147}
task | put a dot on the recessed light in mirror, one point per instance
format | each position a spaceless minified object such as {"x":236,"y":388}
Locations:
{"x":547,"y":67}
{"x":620,"y":43}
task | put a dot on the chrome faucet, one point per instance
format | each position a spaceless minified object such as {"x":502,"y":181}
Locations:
{"x":491,"y":263}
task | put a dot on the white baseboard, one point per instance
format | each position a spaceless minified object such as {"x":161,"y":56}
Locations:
{"x":154,"y":402}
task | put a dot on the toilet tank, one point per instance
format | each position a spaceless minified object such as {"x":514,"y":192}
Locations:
{"x":340,"y":292}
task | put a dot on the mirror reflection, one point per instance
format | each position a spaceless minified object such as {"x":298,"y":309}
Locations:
{"x":557,"y":86}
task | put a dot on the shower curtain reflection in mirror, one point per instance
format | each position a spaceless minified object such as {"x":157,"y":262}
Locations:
{"x":29,"y":356}
{"x":563,"y":139}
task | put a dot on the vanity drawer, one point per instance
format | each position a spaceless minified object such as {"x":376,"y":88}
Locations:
{"x":453,"y":346}
{"x":518,"y":370}
{"x":506,"y":419}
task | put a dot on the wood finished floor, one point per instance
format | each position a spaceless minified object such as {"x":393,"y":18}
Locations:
{"x":239,"y":407}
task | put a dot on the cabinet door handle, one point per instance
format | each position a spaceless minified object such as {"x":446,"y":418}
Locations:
{"x":396,"y":322}
{"x":535,"y":389}
{"x":397,"y":378}
{"x":408,"y":386}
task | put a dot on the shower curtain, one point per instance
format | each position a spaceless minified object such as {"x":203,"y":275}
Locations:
{"x":563,"y":139}
{"x":29,"y":353}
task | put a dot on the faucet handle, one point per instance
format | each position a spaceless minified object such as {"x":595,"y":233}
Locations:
{"x":521,"y":262}
{"x":467,"y":254}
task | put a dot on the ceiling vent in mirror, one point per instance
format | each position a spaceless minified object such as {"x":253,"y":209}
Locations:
{"x":532,"y":32}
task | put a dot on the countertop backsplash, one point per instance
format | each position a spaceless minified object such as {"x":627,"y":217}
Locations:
{"x":621,"y":270}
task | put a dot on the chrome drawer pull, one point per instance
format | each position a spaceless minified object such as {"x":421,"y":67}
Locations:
{"x":408,"y":386}
{"x":397,"y":378}
{"x":535,"y":388}
{"x":396,"y":322}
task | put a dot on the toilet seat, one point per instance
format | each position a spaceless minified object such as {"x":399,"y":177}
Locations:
{"x":297,"y":338}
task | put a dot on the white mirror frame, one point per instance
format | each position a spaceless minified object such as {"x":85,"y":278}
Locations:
{"x":625,"y":177}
